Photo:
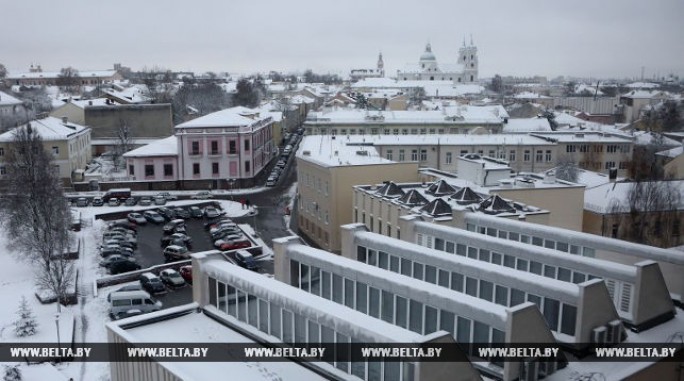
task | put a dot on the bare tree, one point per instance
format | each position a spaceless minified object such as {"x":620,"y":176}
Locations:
{"x":649,"y":214}
{"x":35,"y":213}
{"x":69,"y":79}
{"x":567,"y":169}
{"x":123,"y":143}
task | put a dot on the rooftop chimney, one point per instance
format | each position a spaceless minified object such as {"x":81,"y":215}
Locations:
{"x":65,"y":119}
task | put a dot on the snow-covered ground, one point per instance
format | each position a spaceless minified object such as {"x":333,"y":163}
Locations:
{"x":91,"y":314}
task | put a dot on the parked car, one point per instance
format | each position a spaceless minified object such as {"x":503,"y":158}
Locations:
{"x":281,"y":163}
{"x":232,"y":244}
{"x":137,"y":218}
{"x":130,"y":287}
{"x":154,"y":217}
{"x":202,"y":195}
{"x":196,"y":212}
{"x":181,"y":213}
{"x":172,"y":226}
{"x":159,"y":200}
{"x":167,"y":240}
{"x":168,"y":196}
{"x":82,"y":202}
{"x":112,"y":259}
{"x":97,"y":201}
{"x":172,"y":278}
{"x":186,"y":273}
{"x":115,"y":249}
{"x":130,"y":303}
{"x":151,"y":283}
{"x":211,"y":211}
{"x":124,"y":224}
{"x":167,"y":213}
{"x":129,"y":201}
{"x":216,"y":221}
{"x":113,"y":202}
{"x":246,"y":260}
{"x":221,"y":234}
{"x":271,"y":181}
{"x":119,"y":242}
{"x":226,"y":225}
{"x":119,"y":193}
{"x":175,"y":253}
{"x":145,"y":201}
{"x":123,"y":267}
{"x":124,"y":231}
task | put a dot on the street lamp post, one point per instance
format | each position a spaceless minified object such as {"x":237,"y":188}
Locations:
{"x":232,"y":186}
{"x":254,"y":214}
{"x":57,"y":325}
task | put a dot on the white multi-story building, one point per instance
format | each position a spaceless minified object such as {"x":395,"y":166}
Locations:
{"x":210,"y":151}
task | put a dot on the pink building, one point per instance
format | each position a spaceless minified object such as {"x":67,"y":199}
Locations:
{"x":231,"y":144}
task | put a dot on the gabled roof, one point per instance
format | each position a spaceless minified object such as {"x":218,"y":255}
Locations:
{"x":49,"y":129}
{"x":230,"y":117}
{"x":413,"y":198}
{"x":466,"y":196}
{"x":437,"y":208}
{"x":440,"y":188}
{"x":496,"y":205}
{"x":390,"y":190}
{"x":6,"y":99}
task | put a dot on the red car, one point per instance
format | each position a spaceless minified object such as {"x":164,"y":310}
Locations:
{"x":235,"y":244}
{"x":186,"y":273}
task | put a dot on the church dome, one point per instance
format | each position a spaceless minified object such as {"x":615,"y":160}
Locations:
{"x":428,"y":55}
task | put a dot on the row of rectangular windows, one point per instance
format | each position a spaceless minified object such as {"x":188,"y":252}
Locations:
{"x":394,"y":309}
{"x":622,"y":297}
{"x":561,"y":317}
{"x":620,"y":292}
{"x":291,"y":327}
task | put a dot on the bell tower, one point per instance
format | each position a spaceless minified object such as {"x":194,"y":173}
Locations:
{"x":467,"y":56}
{"x":381,"y":65}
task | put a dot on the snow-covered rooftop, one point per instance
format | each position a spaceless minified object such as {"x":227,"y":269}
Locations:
{"x":230,"y":117}
{"x":672,"y":153}
{"x":462,"y":114}
{"x":530,"y":95}
{"x":614,"y":197}
{"x":162,"y":147}
{"x":449,"y":139}
{"x":330,"y":151}
{"x":55,"y":74}
{"x":8,"y":100}
{"x":584,"y":136}
{"x":527,"y":125}
{"x":197,"y":327}
{"x":49,"y":128}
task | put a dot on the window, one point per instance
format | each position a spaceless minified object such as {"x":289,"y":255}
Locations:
{"x":401,"y":155}
{"x":131,"y":170}
{"x":448,"y":158}
{"x":214,"y":147}
{"x":196,"y":169}
{"x":246,"y":145}
{"x":610,"y":164}
{"x":149,"y":170}
{"x":414,"y":155}
{"x":247,"y":166}
{"x":168,"y":169}
{"x":55,"y":150}
{"x":511,"y":155}
{"x":232,"y":147}
{"x":526,"y":156}
{"x":361,"y":297}
{"x":539,"y":156}
{"x":215,"y":168}
{"x":416,"y":316}
{"x":388,"y":155}
{"x":3,"y":170}
{"x":194,"y":148}
{"x":548,"y":156}
{"x":2,"y":151}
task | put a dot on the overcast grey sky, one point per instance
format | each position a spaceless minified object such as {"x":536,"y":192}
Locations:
{"x":602,"y":38}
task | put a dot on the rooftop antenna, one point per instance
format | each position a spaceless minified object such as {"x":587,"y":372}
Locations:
{"x":597,"y":89}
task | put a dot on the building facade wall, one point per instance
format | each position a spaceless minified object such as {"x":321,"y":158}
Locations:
{"x":566,"y":204}
{"x":224,"y":153}
{"x":144,"y":121}
{"x":72,"y":112}
{"x":393,"y":128}
{"x":326,"y":195}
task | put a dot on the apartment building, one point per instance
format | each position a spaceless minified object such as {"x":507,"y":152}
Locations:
{"x":451,"y":120}
{"x":68,"y":142}
{"x":327,"y":169}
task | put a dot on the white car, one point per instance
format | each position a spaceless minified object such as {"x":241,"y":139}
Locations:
{"x":203,"y":195}
{"x":137,"y":218}
{"x":211,"y":212}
